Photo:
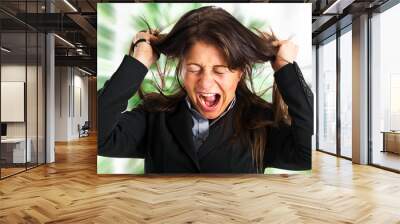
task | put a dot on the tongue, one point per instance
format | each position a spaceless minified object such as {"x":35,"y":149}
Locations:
{"x":210,"y":100}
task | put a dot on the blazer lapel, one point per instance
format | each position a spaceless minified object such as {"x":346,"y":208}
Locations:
{"x":180,"y":123}
{"x":218,"y":134}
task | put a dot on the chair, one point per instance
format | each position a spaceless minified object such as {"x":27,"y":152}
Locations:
{"x":84,"y":130}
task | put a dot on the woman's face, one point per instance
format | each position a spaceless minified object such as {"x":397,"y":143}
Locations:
{"x":208,"y":81}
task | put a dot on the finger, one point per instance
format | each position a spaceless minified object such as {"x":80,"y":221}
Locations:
{"x":155,"y":32}
{"x":268,"y":32}
{"x":276,"y":43}
{"x":139,"y":35}
{"x":284,"y":42}
{"x":152,"y":38}
{"x":142,"y":35}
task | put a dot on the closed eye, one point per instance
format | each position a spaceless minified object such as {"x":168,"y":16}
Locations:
{"x":221,"y":70}
{"x":193,"y":68}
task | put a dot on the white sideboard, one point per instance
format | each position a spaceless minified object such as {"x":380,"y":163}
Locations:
{"x":18,"y":148}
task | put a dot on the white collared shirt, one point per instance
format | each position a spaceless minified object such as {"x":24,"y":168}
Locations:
{"x":201,"y":125}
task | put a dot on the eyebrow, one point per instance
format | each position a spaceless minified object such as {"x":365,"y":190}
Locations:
{"x":191,"y":63}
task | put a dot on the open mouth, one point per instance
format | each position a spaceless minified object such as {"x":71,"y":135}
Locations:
{"x":209,"y":101}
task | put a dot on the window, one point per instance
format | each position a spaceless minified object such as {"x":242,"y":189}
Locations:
{"x":327,"y":96}
{"x":385,"y":89}
{"x":346,"y":93}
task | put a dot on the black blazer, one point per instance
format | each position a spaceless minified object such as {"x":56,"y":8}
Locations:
{"x":165,"y":141}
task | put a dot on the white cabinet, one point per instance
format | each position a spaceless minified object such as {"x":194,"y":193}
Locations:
{"x":19,"y":155}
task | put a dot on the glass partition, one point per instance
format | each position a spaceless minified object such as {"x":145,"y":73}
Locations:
{"x":14,"y":153}
{"x":22,"y":100}
{"x":327,"y":96}
{"x":385,"y":89}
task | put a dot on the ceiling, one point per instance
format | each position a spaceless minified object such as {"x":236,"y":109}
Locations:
{"x":76,"y":22}
{"x":76,"y":25}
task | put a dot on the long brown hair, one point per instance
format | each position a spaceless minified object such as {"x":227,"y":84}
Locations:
{"x":242,"y":48}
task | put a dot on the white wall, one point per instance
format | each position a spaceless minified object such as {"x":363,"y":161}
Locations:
{"x":70,"y":84}
{"x":61,"y":103}
{"x":80,"y":104}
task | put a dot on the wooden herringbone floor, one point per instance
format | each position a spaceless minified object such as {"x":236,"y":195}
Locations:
{"x":70,"y":191}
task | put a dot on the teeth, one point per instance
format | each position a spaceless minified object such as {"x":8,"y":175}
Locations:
{"x":208,"y":99}
{"x":208,"y":94}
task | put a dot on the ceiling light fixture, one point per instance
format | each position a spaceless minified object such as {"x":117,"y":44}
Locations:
{"x":337,"y":7}
{"x":84,"y":71}
{"x":5,"y":50}
{"x":79,"y":51}
{"x":64,"y":40}
{"x":70,"y":5}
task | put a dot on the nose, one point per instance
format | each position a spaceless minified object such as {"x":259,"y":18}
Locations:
{"x":206,"y":80}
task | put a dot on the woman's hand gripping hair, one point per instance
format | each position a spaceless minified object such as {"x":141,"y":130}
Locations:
{"x":141,"y":48}
{"x":286,"y":53}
